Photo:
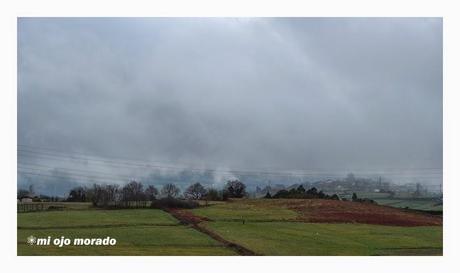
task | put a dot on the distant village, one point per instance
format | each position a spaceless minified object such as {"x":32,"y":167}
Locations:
{"x":345,"y":187}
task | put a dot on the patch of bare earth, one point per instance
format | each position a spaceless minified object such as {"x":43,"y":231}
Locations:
{"x":186,"y":216}
{"x":333,"y":211}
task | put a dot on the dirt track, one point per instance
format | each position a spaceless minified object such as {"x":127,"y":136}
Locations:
{"x":186,"y":217}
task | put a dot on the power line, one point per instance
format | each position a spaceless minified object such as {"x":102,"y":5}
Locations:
{"x":58,"y":168}
{"x":86,"y":173}
{"x":87,"y":155}
{"x":23,"y":167}
{"x":70,"y":172}
{"x":71,"y":177}
{"x":146,"y":165}
{"x":163,"y":162}
{"x":28,"y":148}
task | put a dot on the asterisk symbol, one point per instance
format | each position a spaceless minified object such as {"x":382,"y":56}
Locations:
{"x":31,"y":240}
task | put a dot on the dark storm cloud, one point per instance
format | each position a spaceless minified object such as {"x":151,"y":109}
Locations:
{"x":235,"y":93}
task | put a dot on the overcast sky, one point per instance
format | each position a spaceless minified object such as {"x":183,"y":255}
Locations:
{"x":235,"y":93}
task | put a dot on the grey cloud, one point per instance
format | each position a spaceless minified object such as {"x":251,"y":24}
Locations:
{"x":298,"y":93}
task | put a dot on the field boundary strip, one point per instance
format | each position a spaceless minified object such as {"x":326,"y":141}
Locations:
{"x":98,"y":226}
{"x":189,"y":219}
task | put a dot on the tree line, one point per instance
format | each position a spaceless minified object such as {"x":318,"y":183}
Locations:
{"x":301,"y":193}
{"x":104,"y":195}
{"x":313,"y":193}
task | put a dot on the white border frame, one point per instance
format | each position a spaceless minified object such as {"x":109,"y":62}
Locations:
{"x":9,"y":12}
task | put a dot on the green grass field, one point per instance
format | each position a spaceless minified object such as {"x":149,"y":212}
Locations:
{"x":266,"y":227}
{"x":138,"y":232}
{"x":428,"y":204}
{"x":269,"y":229}
{"x":148,"y":240}
{"x":94,"y":218}
{"x":412,"y":204}
{"x":276,"y":238}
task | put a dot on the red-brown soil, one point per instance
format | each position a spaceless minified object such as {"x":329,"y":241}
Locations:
{"x":333,"y":211}
{"x":186,"y":216}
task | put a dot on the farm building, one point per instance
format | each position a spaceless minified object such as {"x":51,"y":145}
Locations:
{"x":26,"y":199}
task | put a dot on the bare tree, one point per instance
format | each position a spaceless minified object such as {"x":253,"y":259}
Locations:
{"x":133,"y":191}
{"x":170,"y":190}
{"x":235,"y":189}
{"x":195,"y":191}
{"x":151,"y":192}
{"x":105,"y":195}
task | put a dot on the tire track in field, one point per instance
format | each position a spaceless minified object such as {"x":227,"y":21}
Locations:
{"x":188,"y":218}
